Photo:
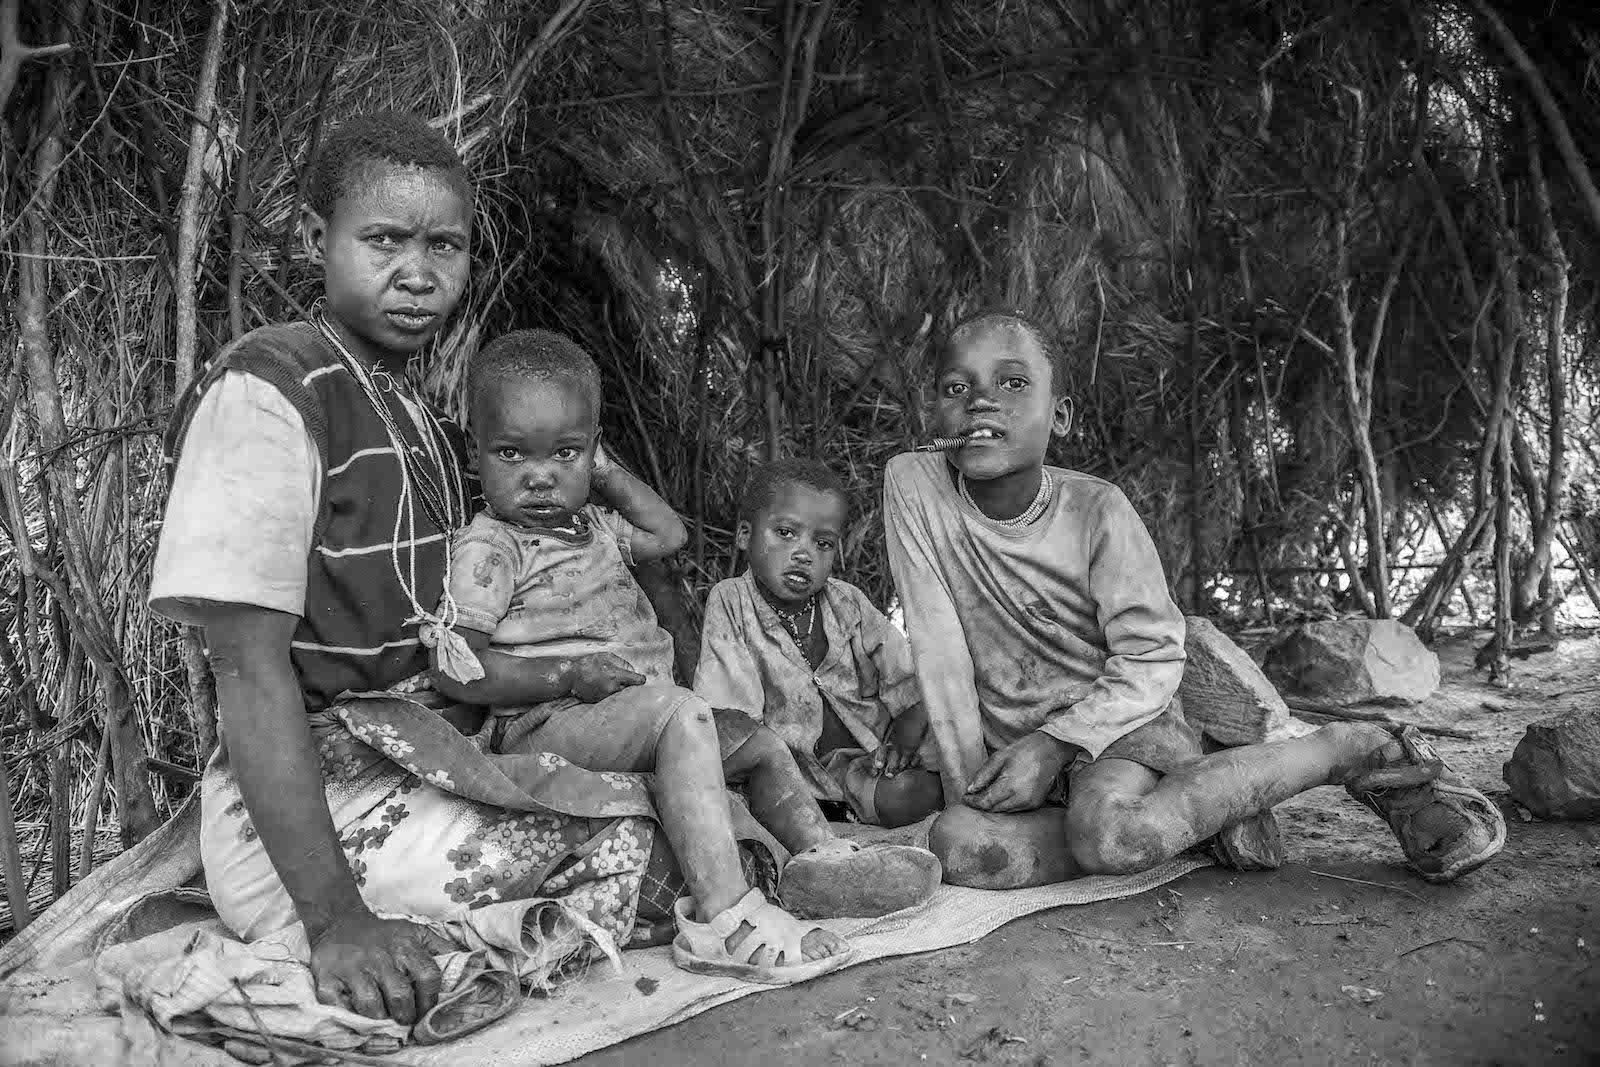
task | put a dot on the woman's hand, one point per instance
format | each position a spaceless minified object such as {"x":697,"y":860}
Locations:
{"x":1019,"y":776}
{"x":380,"y":968}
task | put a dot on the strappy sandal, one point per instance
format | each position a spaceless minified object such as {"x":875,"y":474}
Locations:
{"x":703,"y":947}
{"x":482,"y":997}
{"x":1401,"y":792}
{"x":840,"y":879}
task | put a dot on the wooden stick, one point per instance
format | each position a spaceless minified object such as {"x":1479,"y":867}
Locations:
{"x":1367,"y":715}
{"x":11,"y":858}
{"x":13,"y":53}
{"x":200,"y":137}
{"x":91,"y":813}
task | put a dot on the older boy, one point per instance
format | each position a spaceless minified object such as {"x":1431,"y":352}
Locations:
{"x":1048,"y":649}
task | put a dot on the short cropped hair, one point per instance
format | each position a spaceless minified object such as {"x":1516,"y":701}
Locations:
{"x":763,"y":485}
{"x":1009,"y":319}
{"x":525,"y":355}
{"x":351,"y":149}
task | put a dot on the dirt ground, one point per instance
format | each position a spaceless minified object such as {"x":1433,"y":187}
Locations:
{"x":1313,"y":963}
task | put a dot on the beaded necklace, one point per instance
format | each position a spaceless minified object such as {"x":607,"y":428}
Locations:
{"x":790,"y":620}
{"x":1041,"y":500}
{"x":424,"y":478}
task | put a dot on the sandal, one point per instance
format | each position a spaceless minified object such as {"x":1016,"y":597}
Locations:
{"x":702,"y":948}
{"x":1402,"y":792}
{"x":840,"y":879}
{"x":483,"y":996}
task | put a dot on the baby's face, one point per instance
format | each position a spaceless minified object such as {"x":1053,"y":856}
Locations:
{"x":794,"y":540}
{"x":994,"y":390}
{"x":535,"y":450}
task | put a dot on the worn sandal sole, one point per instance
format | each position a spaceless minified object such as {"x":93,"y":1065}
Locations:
{"x":788,"y":974}
{"x":864,"y":884}
{"x":485,"y":998}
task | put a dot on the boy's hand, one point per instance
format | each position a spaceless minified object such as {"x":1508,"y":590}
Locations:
{"x":899,"y":751}
{"x":597,"y":676}
{"x":1019,"y":776}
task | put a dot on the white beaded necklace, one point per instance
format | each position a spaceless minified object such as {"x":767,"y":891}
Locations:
{"x":1041,"y":500}
{"x":441,"y":497}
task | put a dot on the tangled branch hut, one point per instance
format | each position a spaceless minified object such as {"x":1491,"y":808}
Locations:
{"x":1031,"y":532}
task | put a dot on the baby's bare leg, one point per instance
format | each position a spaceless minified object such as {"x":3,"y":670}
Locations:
{"x":694,"y":815}
{"x":1122,"y":817}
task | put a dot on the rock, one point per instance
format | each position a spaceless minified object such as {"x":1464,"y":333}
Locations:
{"x":1555,"y":770}
{"x":1356,"y":661}
{"x":1225,"y":694}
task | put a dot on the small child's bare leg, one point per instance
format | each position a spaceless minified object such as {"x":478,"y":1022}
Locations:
{"x":780,"y":798}
{"x":694,"y":815}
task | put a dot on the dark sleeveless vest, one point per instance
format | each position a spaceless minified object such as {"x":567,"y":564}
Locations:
{"x":353,"y":634}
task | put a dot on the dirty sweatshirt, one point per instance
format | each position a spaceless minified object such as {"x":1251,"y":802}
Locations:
{"x":1064,"y":625}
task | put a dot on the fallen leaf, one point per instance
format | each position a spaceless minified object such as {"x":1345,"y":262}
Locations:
{"x":1361,"y":994}
{"x":962,"y":999}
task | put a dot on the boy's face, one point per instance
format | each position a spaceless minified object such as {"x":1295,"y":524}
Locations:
{"x":794,"y":540}
{"x":994,"y":389}
{"x":534,"y":442}
{"x":394,"y":256}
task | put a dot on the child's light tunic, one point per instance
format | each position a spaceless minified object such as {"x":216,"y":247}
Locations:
{"x":749,"y":663}
{"x":1064,"y":625}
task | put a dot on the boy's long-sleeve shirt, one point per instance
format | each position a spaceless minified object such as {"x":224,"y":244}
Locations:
{"x":1064,"y":625}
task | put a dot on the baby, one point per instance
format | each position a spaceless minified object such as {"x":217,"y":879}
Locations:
{"x":574,"y":663}
{"x":811,"y":658}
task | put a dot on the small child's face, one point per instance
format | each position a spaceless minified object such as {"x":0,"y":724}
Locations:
{"x":394,"y":254}
{"x":534,"y":449}
{"x":794,"y":541}
{"x":994,"y":389}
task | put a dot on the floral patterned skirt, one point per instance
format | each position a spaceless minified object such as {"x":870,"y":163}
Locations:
{"x":434,"y":826}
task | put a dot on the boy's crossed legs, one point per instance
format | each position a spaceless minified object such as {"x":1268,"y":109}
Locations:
{"x":1121,"y":817}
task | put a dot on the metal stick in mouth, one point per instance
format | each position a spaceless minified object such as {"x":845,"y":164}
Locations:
{"x":942,"y":444}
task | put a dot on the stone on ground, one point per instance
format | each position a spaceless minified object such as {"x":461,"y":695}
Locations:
{"x":1356,"y":661}
{"x":1227,"y":696}
{"x":1555,"y":770}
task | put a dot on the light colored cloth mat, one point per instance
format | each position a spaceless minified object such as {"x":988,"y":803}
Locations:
{"x":50,"y":1015}
{"x":607,"y":1009}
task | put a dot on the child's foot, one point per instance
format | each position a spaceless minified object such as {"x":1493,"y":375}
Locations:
{"x":1445,"y":826}
{"x":756,"y":941}
{"x":1253,"y":844}
{"x":840,"y":879}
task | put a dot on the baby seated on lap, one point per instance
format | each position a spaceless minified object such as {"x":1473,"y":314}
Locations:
{"x":575,"y":664}
{"x":807,"y":655}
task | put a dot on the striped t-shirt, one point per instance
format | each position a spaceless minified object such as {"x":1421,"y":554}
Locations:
{"x":285,"y":495}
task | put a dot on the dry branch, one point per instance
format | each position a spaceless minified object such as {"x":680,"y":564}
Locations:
{"x":13,"y":53}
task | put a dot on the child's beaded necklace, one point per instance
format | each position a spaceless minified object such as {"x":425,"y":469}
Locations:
{"x":1041,"y":500}
{"x":441,"y":496}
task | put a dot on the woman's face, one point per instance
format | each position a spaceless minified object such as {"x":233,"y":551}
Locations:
{"x":394,"y":251}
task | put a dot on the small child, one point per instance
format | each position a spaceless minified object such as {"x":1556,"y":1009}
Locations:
{"x":811,"y":658}
{"x":1049,"y":651}
{"x":574,"y":663}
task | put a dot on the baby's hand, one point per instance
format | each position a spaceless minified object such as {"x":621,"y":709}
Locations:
{"x":597,"y":676}
{"x":899,"y":751}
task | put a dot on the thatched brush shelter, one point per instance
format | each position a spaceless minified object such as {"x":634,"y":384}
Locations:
{"x":1328,"y":273}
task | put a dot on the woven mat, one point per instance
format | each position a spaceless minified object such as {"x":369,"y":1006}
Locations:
{"x":49,"y":1014}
